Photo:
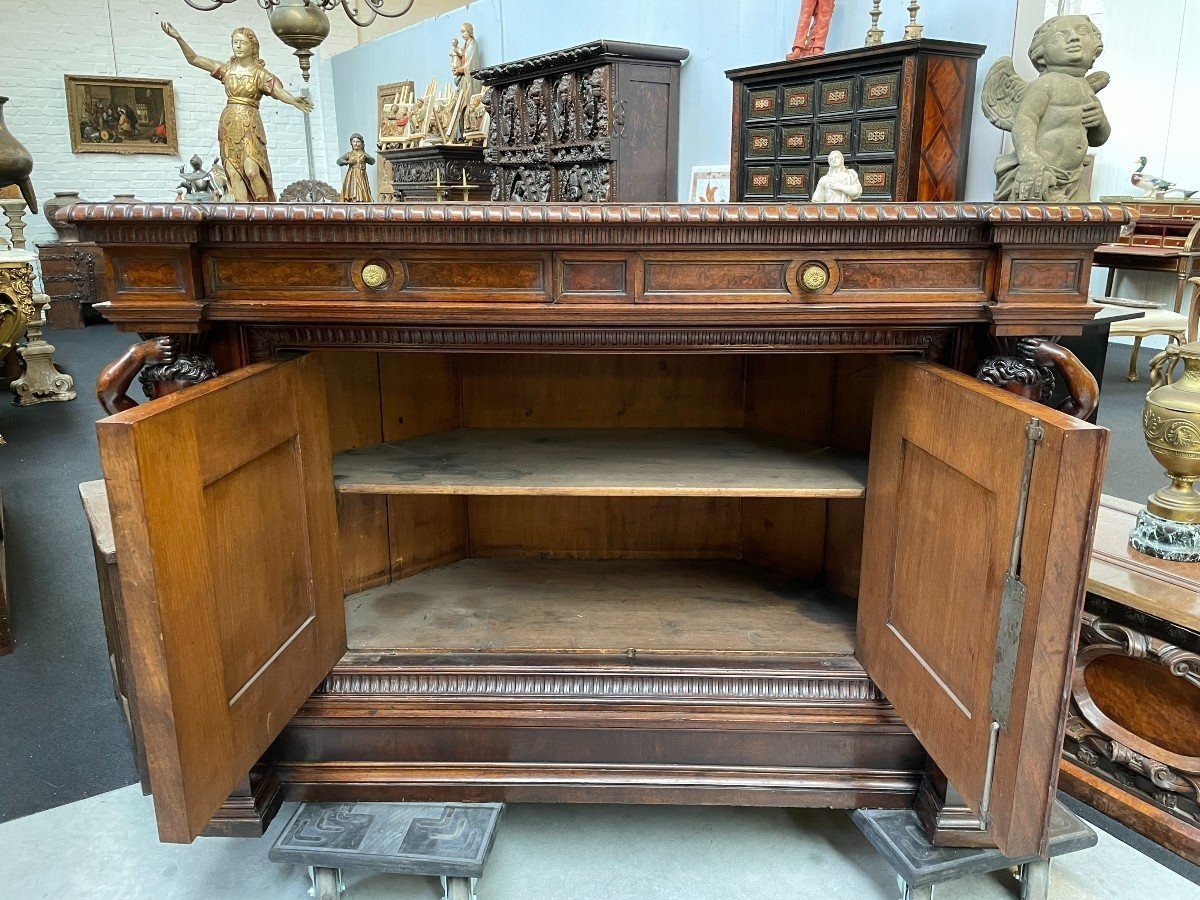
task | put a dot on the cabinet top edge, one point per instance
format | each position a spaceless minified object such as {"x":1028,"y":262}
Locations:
{"x":658,"y":214}
{"x":893,"y":49}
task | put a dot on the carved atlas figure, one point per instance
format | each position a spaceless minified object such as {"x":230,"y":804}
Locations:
{"x":812,"y":28}
{"x":241,"y":136}
{"x":1055,"y":118}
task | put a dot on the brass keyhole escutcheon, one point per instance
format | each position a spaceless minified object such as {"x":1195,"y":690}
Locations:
{"x":814,"y":277}
{"x":376,"y":275}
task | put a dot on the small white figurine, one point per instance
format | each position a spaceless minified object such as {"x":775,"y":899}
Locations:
{"x":839,"y":184}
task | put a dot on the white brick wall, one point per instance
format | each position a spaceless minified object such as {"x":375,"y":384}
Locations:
{"x":41,"y":42}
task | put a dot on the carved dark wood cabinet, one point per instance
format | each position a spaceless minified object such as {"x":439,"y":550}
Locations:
{"x":73,"y":278}
{"x":601,"y":503}
{"x":438,"y":174}
{"x":593,"y":123}
{"x":900,"y":114}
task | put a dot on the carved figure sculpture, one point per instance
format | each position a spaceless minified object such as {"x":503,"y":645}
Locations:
{"x":476,"y":122}
{"x":564,"y":109}
{"x":197,"y":185}
{"x":591,"y":103}
{"x":536,"y":120}
{"x":468,"y":61}
{"x":1157,"y":188}
{"x":1053,"y":119}
{"x":160,"y":368}
{"x":356,"y":187}
{"x":509,"y":115}
{"x":839,"y":184}
{"x":812,"y":28}
{"x":241,"y":136}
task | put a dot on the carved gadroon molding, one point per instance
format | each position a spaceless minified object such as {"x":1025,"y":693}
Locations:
{"x":264,"y":342}
{"x":582,"y":685}
{"x":1166,"y":778}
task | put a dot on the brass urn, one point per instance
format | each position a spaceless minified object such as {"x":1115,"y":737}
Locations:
{"x":1169,"y":527}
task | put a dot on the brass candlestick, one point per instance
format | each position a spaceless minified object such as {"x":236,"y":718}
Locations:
{"x":875,"y":34}
{"x":912,"y":31}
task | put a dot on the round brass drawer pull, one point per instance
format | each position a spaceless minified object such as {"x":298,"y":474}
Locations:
{"x":375,"y":275}
{"x":814,"y":277}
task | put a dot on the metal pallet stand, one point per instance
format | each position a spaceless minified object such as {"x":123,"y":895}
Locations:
{"x":450,"y":840}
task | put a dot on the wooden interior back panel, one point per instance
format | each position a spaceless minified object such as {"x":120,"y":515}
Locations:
{"x":223,"y":516}
{"x":601,"y":391}
{"x":946,"y":467}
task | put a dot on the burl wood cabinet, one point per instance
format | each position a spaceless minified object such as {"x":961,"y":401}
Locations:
{"x":899,"y":113}
{"x":659,"y":504}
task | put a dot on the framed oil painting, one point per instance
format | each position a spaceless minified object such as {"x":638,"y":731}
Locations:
{"x":121,"y":115}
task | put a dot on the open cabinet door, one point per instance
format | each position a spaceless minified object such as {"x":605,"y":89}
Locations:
{"x":225,"y":526}
{"x":979,"y":675}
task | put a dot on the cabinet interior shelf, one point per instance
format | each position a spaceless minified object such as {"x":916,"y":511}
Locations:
{"x":602,"y":606}
{"x":645,"y":462}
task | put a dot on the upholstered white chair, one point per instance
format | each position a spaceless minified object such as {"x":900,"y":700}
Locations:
{"x":1173,"y":324}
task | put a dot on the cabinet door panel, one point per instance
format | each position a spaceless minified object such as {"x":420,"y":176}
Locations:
{"x":948,"y":459}
{"x":224,"y":519}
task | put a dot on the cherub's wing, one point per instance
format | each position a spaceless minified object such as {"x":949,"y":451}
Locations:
{"x":1002,"y":92}
{"x":1098,"y":80}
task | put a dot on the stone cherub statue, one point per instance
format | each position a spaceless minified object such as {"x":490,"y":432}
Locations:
{"x":1053,"y":119}
{"x":840,"y":184}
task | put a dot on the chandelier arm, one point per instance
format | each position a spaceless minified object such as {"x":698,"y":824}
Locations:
{"x":363,"y":18}
{"x":216,"y":4}
{"x":377,"y":5}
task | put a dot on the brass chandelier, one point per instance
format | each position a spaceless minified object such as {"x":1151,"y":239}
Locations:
{"x":360,"y":12}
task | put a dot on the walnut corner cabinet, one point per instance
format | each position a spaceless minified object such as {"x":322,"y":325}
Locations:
{"x":634,"y":504}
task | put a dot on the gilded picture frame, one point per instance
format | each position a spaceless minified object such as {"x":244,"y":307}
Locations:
{"x":107,"y":114}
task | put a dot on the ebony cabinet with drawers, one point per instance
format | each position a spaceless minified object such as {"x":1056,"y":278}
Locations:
{"x":900,"y":113}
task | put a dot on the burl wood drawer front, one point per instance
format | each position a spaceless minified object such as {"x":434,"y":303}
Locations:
{"x":371,"y":275}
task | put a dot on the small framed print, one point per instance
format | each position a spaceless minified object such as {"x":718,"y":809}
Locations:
{"x":834,"y":136}
{"x":710,"y":184}
{"x":879,"y":91}
{"x":760,"y":181}
{"x":762,"y":104}
{"x":798,"y":100}
{"x":121,"y":115}
{"x":760,"y":143}
{"x":877,"y":136}
{"x":797,"y":140}
{"x":837,"y":96}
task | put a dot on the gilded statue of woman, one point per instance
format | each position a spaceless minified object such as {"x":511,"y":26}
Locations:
{"x":356,"y":188}
{"x":240,"y":134}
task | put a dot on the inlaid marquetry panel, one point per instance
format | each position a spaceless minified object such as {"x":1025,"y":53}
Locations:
{"x":255,"y":272}
{"x":715,"y":279}
{"x":582,"y":279}
{"x":798,"y":100}
{"x":941,"y":151}
{"x":1045,"y":276}
{"x":967,"y":276}
{"x":145,"y":273}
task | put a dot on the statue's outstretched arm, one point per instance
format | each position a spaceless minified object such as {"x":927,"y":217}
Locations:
{"x":192,"y":57}
{"x":280,"y":93}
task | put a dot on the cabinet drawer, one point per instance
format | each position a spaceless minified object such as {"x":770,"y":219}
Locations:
{"x":834,"y":136}
{"x":795,"y":141}
{"x":759,"y":181}
{"x":877,"y":179}
{"x":762,"y":103}
{"x":797,"y":100}
{"x":761,"y":143}
{"x":795,"y":182}
{"x":876,"y":136}
{"x":879,"y":91}
{"x":836,"y":97}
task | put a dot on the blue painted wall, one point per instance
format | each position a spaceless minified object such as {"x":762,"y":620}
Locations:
{"x":721,"y":34}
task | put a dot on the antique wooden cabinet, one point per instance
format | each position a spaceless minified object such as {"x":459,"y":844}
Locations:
{"x":593,"y":123}
{"x":74,"y":282}
{"x":900,"y":113}
{"x":658,"y":503}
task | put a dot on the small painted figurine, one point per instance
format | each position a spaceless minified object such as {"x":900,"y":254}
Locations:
{"x":356,"y":187}
{"x":840,"y":184}
{"x":241,"y":136}
{"x":475,"y":121}
{"x":812,"y":28}
{"x":1053,"y":119}
{"x":467,"y":62}
{"x":1157,"y":188}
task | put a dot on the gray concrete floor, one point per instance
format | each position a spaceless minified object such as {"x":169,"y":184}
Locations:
{"x":106,"y":846}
